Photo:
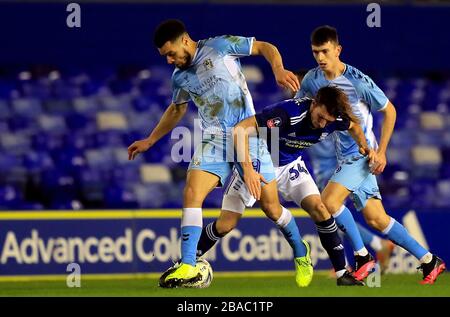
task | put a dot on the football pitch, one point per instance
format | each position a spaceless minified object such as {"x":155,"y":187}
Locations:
{"x":231,"y":285}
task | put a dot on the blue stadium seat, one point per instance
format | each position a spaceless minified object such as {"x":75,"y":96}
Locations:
{"x":120,"y":198}
{"x":7,"y":88}
{"x":26,"y":107}
{"x":151,"y":195}
{"x":5,"y":111}
{"x":101,"y":159}
{"x":37,"y":161}
{"x":9,"y":195}
{"x":80,"y":121}
{"x":52,"y":124}
{"x":17,"y":143}
{"x":86,"y":105}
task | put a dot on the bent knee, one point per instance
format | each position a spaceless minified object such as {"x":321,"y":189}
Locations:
{"x":379,"y":222}
{"x":192,"y":195}
{"x":224,"y":227}
{"x":319,"y":212}
{"x":272,"y":210}
{"x":331,"y":206}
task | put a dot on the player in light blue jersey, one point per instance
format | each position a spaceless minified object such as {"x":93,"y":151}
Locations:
{"x":324,"y":163}
{"x":208,"y":72}
{"x":354,"y":176}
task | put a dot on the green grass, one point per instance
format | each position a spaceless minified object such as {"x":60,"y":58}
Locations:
{"x":322,"y":285}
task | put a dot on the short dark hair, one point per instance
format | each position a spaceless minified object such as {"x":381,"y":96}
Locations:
{"x":169,"y":30}
{"x":323,"y":34}
{"x":336,"y":102}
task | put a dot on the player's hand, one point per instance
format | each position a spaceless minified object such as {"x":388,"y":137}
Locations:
{"x":381,"y":163}
{"x":138,"y":147}
{"x":372,"y":157}
{"x":253,"y":180}
{"x":287,"y":79}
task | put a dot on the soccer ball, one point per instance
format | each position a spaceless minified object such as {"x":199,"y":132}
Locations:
{"x":206,"y":273}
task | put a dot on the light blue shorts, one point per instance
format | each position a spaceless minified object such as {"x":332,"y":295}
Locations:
{"x":216,"y":155}
{"x":354,"y":174}
{"x":323,"y":171}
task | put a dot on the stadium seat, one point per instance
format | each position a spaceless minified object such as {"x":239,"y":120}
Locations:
{"x":151,"y":195}
{"x":54,"y":124}
{"x":120,"y":198}
{"x":85,"y":105}
{"x":432,"y":121}
{"x":443,"y":192}
{"x":427,"y":161}
{"x":111,"y":120}
{"x":155,"y":173}
{"x":426,"y":155}
{"x":57,"y":106}
{"x":15,"y":143}
{"x":101,"y":159}
{"x":26,"y":107}
{"x":5,"y":111}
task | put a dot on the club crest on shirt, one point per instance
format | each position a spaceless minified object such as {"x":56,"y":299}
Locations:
{"x":323,"y":136}
{"x":275,"y":122}
{"x":208,"y":64}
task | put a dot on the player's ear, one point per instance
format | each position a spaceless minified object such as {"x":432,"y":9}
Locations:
{"x":185,"y":39}
{"x":338,"y":50}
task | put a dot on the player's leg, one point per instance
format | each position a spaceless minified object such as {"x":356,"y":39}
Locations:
{"x":198,"y":185}
{"x":216,"y":230}
{"x":236,"y":197}
{"x":283,"y":218}
{"x":207,"y":169}
{"x":270,"y":204}
{"x":376,"y":216}
{"x":382,"y":247}
{"x":296,"y":184}
{"x":329,"y":238}
{"x":348,"y":178}
{"x":333,"y":197}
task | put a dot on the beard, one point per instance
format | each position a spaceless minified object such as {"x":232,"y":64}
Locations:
{"x":187,"y":62}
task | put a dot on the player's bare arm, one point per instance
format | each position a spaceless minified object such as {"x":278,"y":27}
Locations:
{"x":387,"y":127}
{"x":168,"y":121}
{"x":357,"y":134}
{"x":241,"y":134}
{"x":284,"y":78}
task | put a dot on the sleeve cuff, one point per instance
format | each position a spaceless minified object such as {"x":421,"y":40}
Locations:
{"x":385,"y":105}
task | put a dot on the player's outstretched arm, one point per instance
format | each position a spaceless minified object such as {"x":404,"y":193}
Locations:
{"x":357,"y":134}
{"x":387,"y":128}
{"x":241,"y":134}
{"x":284,"y":78}
{"x":168,"y":121}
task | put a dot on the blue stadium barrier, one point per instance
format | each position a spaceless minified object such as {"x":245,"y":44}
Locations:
{"x":147,"y":241}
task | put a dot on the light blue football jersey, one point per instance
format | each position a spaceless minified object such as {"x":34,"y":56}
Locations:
{"x":216,"y":84}
{"x":323,"y":160}
{"x":365,"y":97}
